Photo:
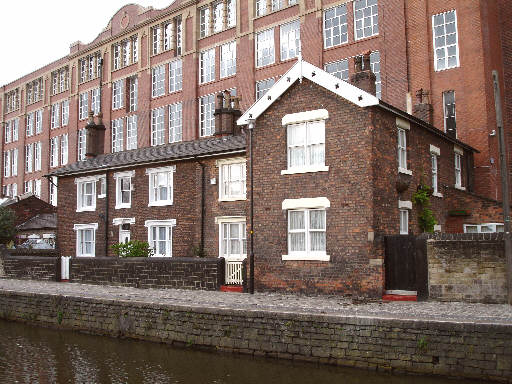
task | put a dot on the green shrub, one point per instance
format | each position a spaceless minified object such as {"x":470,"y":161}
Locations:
{"x":426,"y":217}
{"x":134,"y":248}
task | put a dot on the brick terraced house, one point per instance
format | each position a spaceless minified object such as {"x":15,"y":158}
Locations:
{"x":154,"y":73}
{"x":334,"y":169}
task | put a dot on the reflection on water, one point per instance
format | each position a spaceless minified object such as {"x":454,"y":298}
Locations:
{"x":38,"y":355}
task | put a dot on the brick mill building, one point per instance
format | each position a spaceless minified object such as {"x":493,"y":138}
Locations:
{"x":154,"y":73}
{"x":334,"y":171}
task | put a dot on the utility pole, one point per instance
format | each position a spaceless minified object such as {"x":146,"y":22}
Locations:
{"x":504,"y":183}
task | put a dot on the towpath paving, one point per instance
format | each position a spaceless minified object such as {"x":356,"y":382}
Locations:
{"x":274,"y":302}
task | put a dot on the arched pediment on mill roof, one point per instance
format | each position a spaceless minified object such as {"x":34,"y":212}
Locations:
{"x":126,"y":18}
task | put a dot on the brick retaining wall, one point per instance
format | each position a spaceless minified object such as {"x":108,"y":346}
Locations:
{"x":32,"y":267}
{"x":467,"y":267}
{"x":467,"y":350}
{"x":155,"y":272}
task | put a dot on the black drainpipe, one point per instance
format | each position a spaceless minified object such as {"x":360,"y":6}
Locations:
{"x":201,"y":241}
{"x":106,"y":212}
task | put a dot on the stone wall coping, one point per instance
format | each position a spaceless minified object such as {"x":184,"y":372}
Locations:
{"x":33,"y":258}
{"x":497,"y":236}
{"x":192,"y":260}
{"x":24,"y":252}
{"x":427,"y":324}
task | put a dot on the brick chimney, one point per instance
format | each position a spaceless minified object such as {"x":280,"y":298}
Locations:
{"x":227,"y":111}
{"x":423,"y":109}
{"x":95,"y":136}
{"x":363,"y":76}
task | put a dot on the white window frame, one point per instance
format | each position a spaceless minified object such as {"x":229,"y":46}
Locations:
{"x":151,"y":173}
{"x":341,"y":66}
{"x":175,"y":76}
{"x":158,"y":81}
{"x":65,"y":115}
{"x":225,"y":168}
{"x":360,"y":12}
{"x":131,"y":132}
{"x":117,"y":135}
{"x":263,"y":86}
{"x":289,"y":40}
{"x":206,"y":109}
{"x":38,"y":116}
{"x":14,"y":158}
{"x":305,"y":119}
{"x":307,"y":254}
{"x":228,"y":59}
{"x":64,"y":149}
{"x":54,"y":151}
{"x":79,"y":228}
{"x":55,"y":116}
{"x":404,"y":221}
{"x":207,"y":66}
{"x":339,"y":13}
{"x":29,"y":158}
{"x":169,"y":225}
{"x":95,"y":101}
{"x":37,"y":156}
{"x":7,"y":163}
{"x":458,"y":169}
{"x":37,"y":188}
{"x":204,"y":21}
{"x":402,"y":127}
{"x":157,"y":126}
{"x":218,"y":16}
{"x":119,"y":176}
{"x":117,"y":94}
{"x":29,"y":131}
{"x":83,"y":105}
{"x":80,"y":182}
{"x":265,"y":48}
{"x":81,"y":143}
{"x":225,"y":251}
{"x":435,"y":152}
{"x":133,"y":84}
{"x":175,"y":122}
{"x":444,"y":48}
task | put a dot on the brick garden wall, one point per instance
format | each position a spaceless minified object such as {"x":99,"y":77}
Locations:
{"x":32,"y":267}
{"x":184,"y":273}
{"x":482,"y":351}
{"x":467,"y":267}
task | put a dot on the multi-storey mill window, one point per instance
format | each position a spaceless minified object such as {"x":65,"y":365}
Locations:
{"x":167,"y":36}
{"x":217,"y":16}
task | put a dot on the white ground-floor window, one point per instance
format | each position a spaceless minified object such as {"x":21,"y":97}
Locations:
{"x":404,"y":221}
{"x":86,"y":239}
{"x":160,"y":236}
{"x":232,"y":237}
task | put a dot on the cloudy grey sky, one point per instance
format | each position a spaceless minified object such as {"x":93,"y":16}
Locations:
{"x":34,"y":33}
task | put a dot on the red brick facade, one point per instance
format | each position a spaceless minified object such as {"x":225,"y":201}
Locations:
{"x":362,"y":184}
{"x":404,"y":42}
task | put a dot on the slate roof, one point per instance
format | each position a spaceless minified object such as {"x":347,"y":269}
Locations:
{"x":175,"y":151}
{"x":42,"y":221}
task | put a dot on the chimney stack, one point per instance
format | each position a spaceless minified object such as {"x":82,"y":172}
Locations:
{"x":95,"y":136}
{"x":363,"y":77}
{"x":423,"y":109}
{"x":227,"y":110}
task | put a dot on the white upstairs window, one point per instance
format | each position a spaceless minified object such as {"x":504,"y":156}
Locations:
{"x":207,"y":66}
{"x":458,"y":170}
{"x":160,"y":185}
{"x":117,"y":135}
{"x":290,"y":40}
{"x":37,"y":156}
{"x":86,"y":193}
{"x":306,"y":146}
{"x":96,"y":101}
{"x":335,"y":26}
{"x":131,"y":132}
{"x":206,"y":117}
{"x":157,"y":126}
{"x":228,"y":59}
{"x":83,"y":105}
{"x":175,"y":76}
{"x":124,"y":189}
{"x":117,"y":94}
{"x":232,"y":179}
{"x":265,"y":52}
{"x":402,"y":149}
{"x":54,"y":151}
{"x":158,"y":81}
{"x":366,"y":18}
{"x":446,"y":49}
{"x":64,"y":149}
{"x":175,"y":123}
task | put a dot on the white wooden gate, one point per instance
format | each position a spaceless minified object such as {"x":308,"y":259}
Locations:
{"x":234,"y":272}
{"x":64,"y":268}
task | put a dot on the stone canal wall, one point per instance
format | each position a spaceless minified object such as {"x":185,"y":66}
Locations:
{"x":453,"y":349}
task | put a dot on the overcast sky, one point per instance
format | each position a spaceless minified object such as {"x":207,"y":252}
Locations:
{"x":34,"y":33}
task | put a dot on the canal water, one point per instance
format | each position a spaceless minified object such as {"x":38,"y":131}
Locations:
{"x":38,"y":355}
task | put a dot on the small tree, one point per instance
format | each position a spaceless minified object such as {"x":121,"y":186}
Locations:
{"x":134,"y":248}
{"x":7,"y":228}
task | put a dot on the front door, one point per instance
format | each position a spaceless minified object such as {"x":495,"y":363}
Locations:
{"x":124,"y":235}
{"x":233,"y":247}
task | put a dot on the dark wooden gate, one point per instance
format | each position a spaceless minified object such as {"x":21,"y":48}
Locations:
{"x":401,"y":262}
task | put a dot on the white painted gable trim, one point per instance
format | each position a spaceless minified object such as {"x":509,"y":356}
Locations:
{"x":303,"y":69}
